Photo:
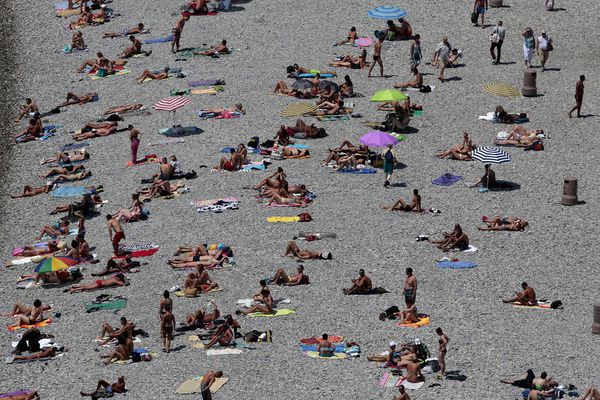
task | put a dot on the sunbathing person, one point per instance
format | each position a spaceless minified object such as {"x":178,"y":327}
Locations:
{"x":293,"y":250}
{"x":28,"y":315}
{"x":48,"y":352}
{"x":499,"y":223}
{"x":127,"y":32}
{"x":67,"y":157}
{"x":116,"y":280}
{"x":77,"y":42}
{"x":86,"y":18}
{"x":72,"y":177}
{"x":22,"y":396}
{"x":331,"y":108}
{"x":133,"y":213}
{"x":199,"y":281}
{"x":135,"y":48}
{"x":591,"y":393}
{"x":33,"y":131}
{"x":350,"y":61}
{"x":215,"y":51}
{"x":294,"y":70}
{"x":197,"y":7}
{"x":200,"y":318}
{"x":457,"y":239}
{"x":519,"y":136}
{"x":388,"y":356}
{"x":459,"y":151}
{"x":225,"y":334}
{"x":147,"y":74}
{"x":200,"y":250}
{"x":122,"y":266}
{"x":233,"y":164}
{"x":282,"y":87}
{"x":61,"y":228}
{"x":123,"y":109}
{"x":360,"y":285}
{"x":488,"y":180}
{"x":74,"y":99}
{"x":29,"y":191}
{"x":413,"y":371}
{"x":325,"y":348}
{"x":348,"y":162}
{"x":276,"y":198}
{"x":526,"y":297}
{"x":192,"y":261}
{"x":94,"y":133}
{"x":160,"y":188}
{"x":303,"y":130}
{"x":51,"y":247}
{"x":417,"y":82}
{"x":80,"y":208}
{"x":409,"y":314}
{"x":281,"y":278}
{"x":400,"y":205}
{"x":275,"y":180}
{"x":265,"y":300}
{"x":236,"y":108}
{"x":105,"y":389}
{"x":350,"y":39}
{"x":293,"y":152}
{"x":67,"y":169}
{"x":30,"y":108}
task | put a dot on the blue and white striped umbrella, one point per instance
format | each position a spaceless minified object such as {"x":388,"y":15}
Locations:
{"x":490,"y":155}
{"x":387,"y":12}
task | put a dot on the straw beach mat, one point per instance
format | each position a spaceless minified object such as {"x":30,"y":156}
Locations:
{"x":501,"y":89}
{"x":295,"y":110}
{"x":193,"y":385}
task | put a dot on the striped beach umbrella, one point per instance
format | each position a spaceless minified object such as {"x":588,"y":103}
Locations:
{"x":294,"y":110}
{"x":171,"y":103}
{"x":54,"y":264}
{"x":501,"y":89}
{"x":387,"y":12}
{"x":490,"y":155}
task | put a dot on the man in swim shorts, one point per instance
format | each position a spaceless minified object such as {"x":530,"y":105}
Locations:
{"x":360,"y":285}
{"x":105,"y":389}
{"x":410,"y":287}
{"x":114,"y":224}
{"x":526,"y":297}
{"x":208,"y":379}
{"x":480,"y":8}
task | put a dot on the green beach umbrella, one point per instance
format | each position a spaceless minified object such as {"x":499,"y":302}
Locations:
{"x":388,"y":95}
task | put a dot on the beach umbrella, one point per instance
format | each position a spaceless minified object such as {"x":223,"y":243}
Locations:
{"x":301,"y":84}
{"x":378,"y":139}
{"x":171,"y":103}
{"x":501,"y":89}
{"x":388,"y":95}
{"x":364,"y":42}
{"x":54,"y":264}
{"x":387,"y":12}
{"x":490,"y":155}
{"x":297,"y":109}
{"x":328,"y":84}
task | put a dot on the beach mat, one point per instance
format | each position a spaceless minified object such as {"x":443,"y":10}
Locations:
{"x":335,"y":356}
{"x":340,"y":348}
{"x":424,"y":320}
{"x":361,"y":171}
{"x":278,"y":313}
{"x":95,"y":77}
{"x":332,"y":118}
{"x":193,"y":385}
{"x":69,"y":191}
{"x":455,"y":264}
{"x":283,"y":219}
{"x":539,"y":306}
{"x":297,"y":109}
{"x":40,"y":324}
{"x":136,"y":250}
{"x":501,"y":89}
{"x":312,"y":75}
{"x":206,"y":82}
{"x":159,"y":40}
{"x":316,"y":340}
{"x":179,"y":131}
{"x":446,"y":180}
{"x":107,"y":305}
{"x":222,"y":352}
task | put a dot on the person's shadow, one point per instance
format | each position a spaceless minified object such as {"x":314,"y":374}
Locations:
{"x":455,"y":376}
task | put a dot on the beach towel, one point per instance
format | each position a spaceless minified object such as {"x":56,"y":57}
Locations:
{"x":72,"y":232}
{"x":502,"y":89}
{"x":40,"y":324}
{"x":358,"y":171}
{"x":335,"y":356}
{"x":15,"y":393}
{"x":254,"y":166}
{"x":216,"y":205}
{"x":424,"y":320}
{"x":446,"y":180}
{"x":278,"y":313}
{"x":193,"y":385}
{"x":283,"y":219}
{"x":178,"y":131}
{"x":148,"y":159}
{"x":413,"y":89}
{"x":455,"y":264}
{"x":73,"y":146}
{"x":93,"y":76}
{"x":207,"y":82}
{"x":18,"y":250}
{"x":117,"y":304}
{"x":69,"y":191}
{"x":136,"y":250}
{"x":211,"y":90}
{"x":222,"y":115}
{"x":201,"y":203}
{"x":297,"y":109}
{"x":340,"y":348}
{"x":470,"y":249}
{"x":165,"y":39}
{"x":314,"y":73}
{"x":332,"y":118}
{"x":220,"y":352}
{"x":540,"y":306}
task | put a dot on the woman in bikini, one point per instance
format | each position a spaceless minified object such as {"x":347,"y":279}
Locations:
{"x":225,"y":333}
{"x":32,"y":316}
{"x":147,"y":74}
{"x":67,"y":169}
{"x":351,"y":62}
{"x":67,"y":158}
{"x":499,"y":223}
{"x":117,"y":280}
{"x":442,"y":350}
{"x":274,"y":181}
{"x":409,"y":314}
{"x":61,"y":228}
{"x":132,"y":213}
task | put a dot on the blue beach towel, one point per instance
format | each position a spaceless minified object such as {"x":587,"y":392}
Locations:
{"x":357,"y":171}
{"x":73,"y":146}
{"x":70,"y":191}
{"x":159,"y":40}
{"x":340,"y":348}
{"x":455,"y":264}
{"x":250,"y":167}
{"x":313,"y":75}
{"x":446,"y":180}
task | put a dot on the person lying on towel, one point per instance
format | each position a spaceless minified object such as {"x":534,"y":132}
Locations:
{"x":116,"y":280}
{"x":398,"y":107}
{"x":86,"y":18}
{"x":65,"y":157}
{"x":215,"y":51}
{"x":456,"y":239}
{"x":395,"y":354}
{"x":360,"y":285}
{"x":46,"y":353}
{"x":293,"y":250}
{"x":201,"y":317}
{"x":333,"y":107}
{"x":67,"y":169}
{"x":295,"y":70}
{"x":28,"y":315}
{"x":345,"y":148}
{"x":74,"y":99}
{"x":281,"y":278}
{"x":160,"y":188}
{"x":350,"y":61}
{"x":526,"y":297}
{"x":286,"y":191}
{"x":99,"y":63}
{"x":147,"y":74}
{"x":209,"y":260}
{"x":29,"y":191}
{"x":286,"y":199}
{"x":105,"y":389}
{"x":94,"y":133}
{"x":236,"y":108}
{"x":121,"y":266}
{"x":127,"y":32}
{"x":273,"y":181}
{"x":519,"y":136}
{"x":300,"y":131}
{"x":57,"y":278}
{"x":51,"y":247}
{"x":499,"y":223}
{"x":461,"y":152}
{"x":199,"y":282}
{"x":122,"y":109}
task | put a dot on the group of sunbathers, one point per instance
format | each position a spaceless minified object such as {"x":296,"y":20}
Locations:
{"x":349,"y":156}
{"x":278,"y":191}
{"x":300,"y":131}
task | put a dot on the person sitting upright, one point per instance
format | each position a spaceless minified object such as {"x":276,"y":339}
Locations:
{"x":400,"y":205}
{"x":360,"y":285}
{"x":135,"y":48}
{"x":526,"y":297}
{"x":457,"y":239}
{"x":233,"y":164}
{"x":325,"y":347}
{"x":281,"y":278}
{"x":350,"y":39}
{"x":147,"y":74}
{"x":416,"y":83}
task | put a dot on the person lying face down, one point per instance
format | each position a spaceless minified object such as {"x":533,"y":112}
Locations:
{"x":360,"y":285}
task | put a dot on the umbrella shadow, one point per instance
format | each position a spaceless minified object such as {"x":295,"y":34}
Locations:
{"x":409,"y":130}
{"x":455,"y":376}
{"x":505,"y":186}
{"x":553,"y":69}
{"x":453,"y":78}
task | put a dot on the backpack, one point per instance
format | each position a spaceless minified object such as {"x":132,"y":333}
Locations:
{"x":474,"y":17}
{"x":389,"y":157}
{"x":425,"y":89}
{"x":304,"y":217}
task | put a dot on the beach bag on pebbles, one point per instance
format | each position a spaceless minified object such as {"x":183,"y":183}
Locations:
{"x":304,"y":217}
{"x":474,"y":17}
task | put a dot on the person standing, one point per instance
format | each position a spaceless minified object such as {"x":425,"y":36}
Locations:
{"x":442,"y":350}
{"x":410,"y":287}
{"x":543,"y":48}
{"x":529,"y":46}
{"x":578,"y":97}
{"x":208,"y":379}
{"x":134,"y":138}
{"x":480,"y":7}
{"x":389,"y":159}
{"x":549,"y":4}
{"x":377,"y":56}
{"x":114,"y":224}
{"x":415,"y":52}
{"x":441,"y":57}
{"x":167,"y":325}
{"x":177,"y":31}
{"x":497,"y":39}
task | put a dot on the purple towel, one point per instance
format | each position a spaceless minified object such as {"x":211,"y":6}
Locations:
{"x":15,"y":393}
{"x":446,"y":180}
{"x":208,"y":82}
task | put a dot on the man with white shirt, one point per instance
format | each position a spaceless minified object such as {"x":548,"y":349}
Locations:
{"x":497,"y":38}
{"x":544,"y":46}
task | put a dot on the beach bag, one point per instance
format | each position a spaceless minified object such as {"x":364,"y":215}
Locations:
{"x":474,"y":17}
{"x":304,"y":217}
{"x":550,"y":47}
{"x":253,"y":143}
{"x":389,"y":157}
{"x":425,"y":89}
{"x":495,"y":38}
{"x":556,"y":304}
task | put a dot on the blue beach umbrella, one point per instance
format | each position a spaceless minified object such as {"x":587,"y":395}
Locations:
{"x":387,"y":12}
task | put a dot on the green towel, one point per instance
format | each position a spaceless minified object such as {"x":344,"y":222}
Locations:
{"x":107,"y":305}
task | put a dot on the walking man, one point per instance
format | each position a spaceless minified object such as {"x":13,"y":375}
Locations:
{"x":377,"y":56}
{"x":389,"y":159}
{"x":114,"y":224}
{"x":497,"y":39}
{"x":480,"y":8}
{"x":578,"y":97}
